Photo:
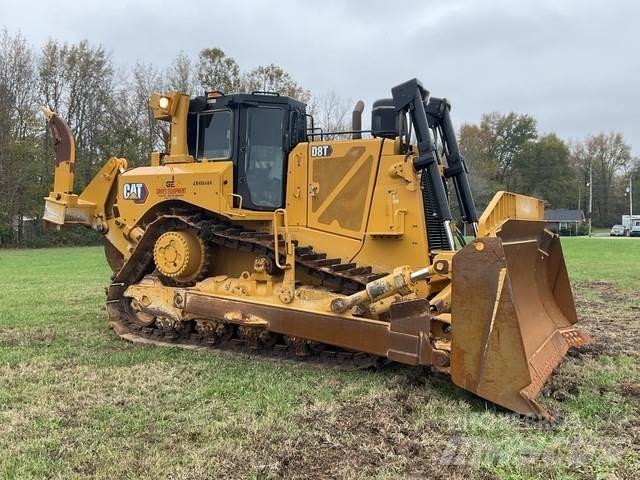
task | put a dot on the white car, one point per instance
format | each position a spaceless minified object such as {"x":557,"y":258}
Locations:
{"x":617,"y":231}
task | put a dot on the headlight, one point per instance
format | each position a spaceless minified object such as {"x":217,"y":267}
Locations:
{"x":164,"y":103}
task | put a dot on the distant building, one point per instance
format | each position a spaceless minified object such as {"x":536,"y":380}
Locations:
{"x":564,"y":220}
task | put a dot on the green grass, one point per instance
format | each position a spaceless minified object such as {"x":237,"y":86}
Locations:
{"x":76,"y":402}
{"x":614,"y":260}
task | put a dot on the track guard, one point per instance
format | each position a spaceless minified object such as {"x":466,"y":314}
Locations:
{"x":512,"y":315}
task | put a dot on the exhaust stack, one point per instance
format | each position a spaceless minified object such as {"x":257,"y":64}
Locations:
{"x":356,"y":120}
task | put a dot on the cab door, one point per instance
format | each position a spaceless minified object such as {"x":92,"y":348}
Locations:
{"x":261,"y":163}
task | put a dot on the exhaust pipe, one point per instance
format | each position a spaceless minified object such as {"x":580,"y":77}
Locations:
{"x":356,"y":120}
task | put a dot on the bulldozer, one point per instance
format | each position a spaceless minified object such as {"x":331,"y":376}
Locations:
{"x":254,"y":230}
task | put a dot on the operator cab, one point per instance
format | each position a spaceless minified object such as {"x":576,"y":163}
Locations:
{"x":256,"y":132}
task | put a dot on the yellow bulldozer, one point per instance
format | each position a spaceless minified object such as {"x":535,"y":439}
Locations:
{"x":254,"y":230}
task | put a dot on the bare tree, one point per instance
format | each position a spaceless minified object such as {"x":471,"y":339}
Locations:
{"x":475,"y":144}
{"x":608,"y":156}
{"x":273,"y":78}
{"x":181,"y":76}
{"x":18,"y":144}
{"x":331,"y":112}
{"x":51,"y":75}
{"x":78,"y":81}
{"x":146,"y":79}
{"x":17,"y":75}
{"x":217,"y":71}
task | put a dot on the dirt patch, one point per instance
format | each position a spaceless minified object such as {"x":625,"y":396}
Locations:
{"x":631,"y":390}
{"x":560,"y":387}
{"x":611,"y":316}
{"x":361,"y":439}
{"x":23,"y":338}
{"x":386,"y":434}
{"x":608,"y":315}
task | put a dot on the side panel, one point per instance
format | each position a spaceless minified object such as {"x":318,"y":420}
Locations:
{"x":334,"y":245}
{"x":206,"y":185}
{"x":344,"y":199}
{"x":396,"y":232}
{"x":297,"y":188}
{"x":341,"y":181}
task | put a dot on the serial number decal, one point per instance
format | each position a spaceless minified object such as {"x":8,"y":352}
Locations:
{"x":137,"y":192}
{"x":202,"y":183}
{"x":321,"y":150}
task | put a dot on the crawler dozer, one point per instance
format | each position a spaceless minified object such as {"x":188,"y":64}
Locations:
{"x":255,"y":230}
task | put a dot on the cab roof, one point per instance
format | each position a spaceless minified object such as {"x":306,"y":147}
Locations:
{"x":209,"y":101}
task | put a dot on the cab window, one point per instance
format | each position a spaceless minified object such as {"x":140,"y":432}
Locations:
{"x":214,"y":135}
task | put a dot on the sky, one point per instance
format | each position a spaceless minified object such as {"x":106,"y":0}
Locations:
{"x":573,"y":65}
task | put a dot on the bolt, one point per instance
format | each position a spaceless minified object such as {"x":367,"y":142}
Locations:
{"x":178,"y":300}
{"x":441,"y":359}
{"x":338,"y":305}
{"x":441,"y":266}
{"x":286,"y":296}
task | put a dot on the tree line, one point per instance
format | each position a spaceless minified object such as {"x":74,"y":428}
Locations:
{"x":106,"y":106}
{"x":506,"y":152}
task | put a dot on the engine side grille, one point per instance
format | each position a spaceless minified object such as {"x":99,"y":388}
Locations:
{"x":436,"y":235}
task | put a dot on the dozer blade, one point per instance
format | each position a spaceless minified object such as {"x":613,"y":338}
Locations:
{"x":512,"y":315}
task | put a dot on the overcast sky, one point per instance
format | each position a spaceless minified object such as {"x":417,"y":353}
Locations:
{"x":573,"y":65}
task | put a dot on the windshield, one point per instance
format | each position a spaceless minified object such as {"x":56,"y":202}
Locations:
{"x":214,"y":135}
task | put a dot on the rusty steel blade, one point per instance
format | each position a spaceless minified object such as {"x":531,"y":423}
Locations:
{"x":512,"y":315}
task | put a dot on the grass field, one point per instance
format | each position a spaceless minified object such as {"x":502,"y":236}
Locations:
{"x":77,"y":402}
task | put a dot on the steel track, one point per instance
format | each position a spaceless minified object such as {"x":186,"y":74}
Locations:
{"x":341,"y":277}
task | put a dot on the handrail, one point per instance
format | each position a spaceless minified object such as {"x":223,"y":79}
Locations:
{"x":230,"y":207}
{"x":276,"y":243}
{"x":343,"y":132}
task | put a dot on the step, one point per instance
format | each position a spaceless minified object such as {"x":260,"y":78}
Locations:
{"x":343,"y":266}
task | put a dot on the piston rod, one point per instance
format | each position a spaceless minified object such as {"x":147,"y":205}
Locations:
{"x":401,"y":281}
